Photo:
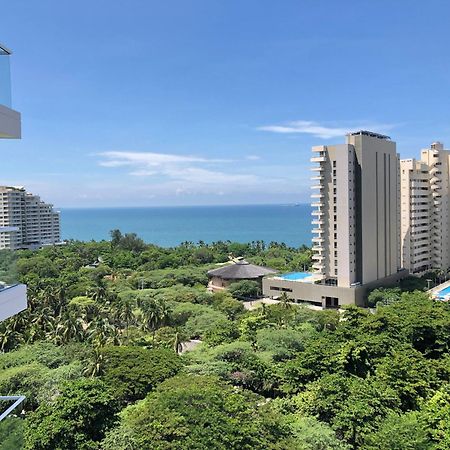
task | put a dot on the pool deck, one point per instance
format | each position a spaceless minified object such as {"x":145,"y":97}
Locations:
{"x":436,"y":290}
{"x":310,"y":278}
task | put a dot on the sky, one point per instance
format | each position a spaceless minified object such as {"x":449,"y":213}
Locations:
{"x":208,"y":102}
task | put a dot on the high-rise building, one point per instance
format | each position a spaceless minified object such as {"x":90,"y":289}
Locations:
{"x":28,"y":221}
{"x":425,"y":210}
{"x":415,"y":222}
{"x":357,"y":227}
{"x":13,"y":296}
{"x":356,"y":223}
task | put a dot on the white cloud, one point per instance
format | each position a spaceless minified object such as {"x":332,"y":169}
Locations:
{"x":253,"y":157}
{"x":322,"y":131}
{"x":149,"y":159}
{"x":189,"y":170}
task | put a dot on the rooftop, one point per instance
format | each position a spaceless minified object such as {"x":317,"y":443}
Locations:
{"x":368,"y":133}
{"x":240,"y":270}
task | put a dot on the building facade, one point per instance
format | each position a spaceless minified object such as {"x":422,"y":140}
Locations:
{"x":356,"y":215}
{"x":27,"y":221}
{"x":356,"y":223}
{"x":425,"y":210}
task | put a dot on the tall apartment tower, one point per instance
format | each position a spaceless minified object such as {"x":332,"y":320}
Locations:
{"x":416,"y":215}
{"x":27,"y":221}
{"x":356,"y":215}
{"x":425,"y":210}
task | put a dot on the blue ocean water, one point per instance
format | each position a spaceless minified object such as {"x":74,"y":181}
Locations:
{"x":169,"y":226}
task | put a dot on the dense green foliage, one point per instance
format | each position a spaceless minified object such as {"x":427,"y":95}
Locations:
{"x":100,"y":356}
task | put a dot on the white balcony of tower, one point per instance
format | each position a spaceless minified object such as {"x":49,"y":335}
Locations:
{"x":10,"y":126}
{"x":318,"y":266}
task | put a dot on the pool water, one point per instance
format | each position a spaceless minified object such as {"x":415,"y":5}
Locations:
{"x":444,"y":292}
{"x":295,"y":276}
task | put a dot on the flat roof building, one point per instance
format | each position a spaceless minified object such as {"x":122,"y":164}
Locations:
{"x":26,"y":221}
{"x":355,"y":221}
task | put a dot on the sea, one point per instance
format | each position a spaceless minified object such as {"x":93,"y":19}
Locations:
{"x":169,"y":226}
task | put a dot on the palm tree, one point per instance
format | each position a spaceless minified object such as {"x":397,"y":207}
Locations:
{"x":177,"y":343}
{"x":95,"y":365}
{"x":126,"y":314}
{"x":69,"y":328}
{"x":155,"y":313}
{"x":285,"y":301}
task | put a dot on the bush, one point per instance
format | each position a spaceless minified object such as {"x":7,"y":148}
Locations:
{"x":245,"y":289}
{"x":132,"y":372}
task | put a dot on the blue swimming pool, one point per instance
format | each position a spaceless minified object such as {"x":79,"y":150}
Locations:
{"x":442,"y":294}
{"x":295,"y":276}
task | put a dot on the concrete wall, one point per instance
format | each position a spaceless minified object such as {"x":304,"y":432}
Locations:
{"x":10,"y":124}
{"x":376,"y":204}
{"x":317,"y":293}
{"x":12,"y":300}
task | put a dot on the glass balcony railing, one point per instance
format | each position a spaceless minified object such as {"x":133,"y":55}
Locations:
{"x":5,"y":78}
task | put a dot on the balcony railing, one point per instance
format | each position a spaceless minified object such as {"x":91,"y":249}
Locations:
{"x":13,"y":295}
{"x":5,"y":78}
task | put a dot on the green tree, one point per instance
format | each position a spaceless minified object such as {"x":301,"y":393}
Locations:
{"x":245,"y":289}
{"x":194,"y":412}
{"x":399,"y":432}
{"x":76,"y":420}
{"x":134,"y":371}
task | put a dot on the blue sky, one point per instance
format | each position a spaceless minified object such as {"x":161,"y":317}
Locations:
{"x":190,"y":102}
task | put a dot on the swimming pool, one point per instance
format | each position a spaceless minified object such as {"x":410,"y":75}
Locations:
{"x":442,"y":294}
{"x":295,"y":276}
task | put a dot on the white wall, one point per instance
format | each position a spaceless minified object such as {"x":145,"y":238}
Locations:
{"x":12,"y":300}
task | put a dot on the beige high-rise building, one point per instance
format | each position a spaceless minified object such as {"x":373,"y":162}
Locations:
{"x":416,"y":210}
{"x":356,"y":215}
{"x":27,"y":221}
{"x":425,"y":215}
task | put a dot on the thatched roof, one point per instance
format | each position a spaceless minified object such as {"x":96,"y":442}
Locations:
{"x":240,"y":270}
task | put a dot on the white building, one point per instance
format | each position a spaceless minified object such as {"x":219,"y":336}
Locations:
{"x":28,"y":221}
{"x":425,"y":210}
{"x":13,"y":297}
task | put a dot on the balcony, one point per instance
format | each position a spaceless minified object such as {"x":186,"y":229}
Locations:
{"x":318,"y":239}
{"x":317,"y":178}
{"x":317,"y":212}
{"x":9,"y":119}
{"x":318,"y":159}
{"x":13,"y":295}
{"x":317,"y":169}
{"x":13,"y":299}
{"x":319,"y":195}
